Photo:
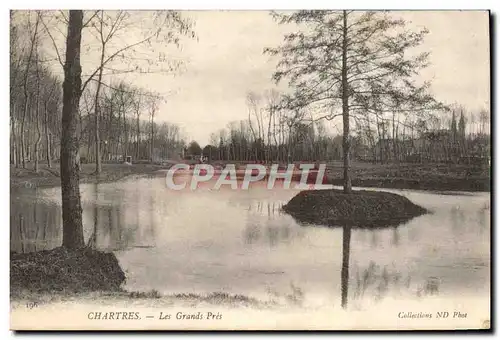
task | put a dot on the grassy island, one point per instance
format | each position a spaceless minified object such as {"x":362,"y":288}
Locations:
{"x":363,"y":209}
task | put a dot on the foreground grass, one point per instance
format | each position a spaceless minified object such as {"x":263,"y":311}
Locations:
{"x":64,"y":270}
{"x":89,"y":276}
{"x":122,"y":298}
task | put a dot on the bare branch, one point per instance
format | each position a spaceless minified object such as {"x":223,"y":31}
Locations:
{"x":53,"y":43}
{"x":90,"y":19}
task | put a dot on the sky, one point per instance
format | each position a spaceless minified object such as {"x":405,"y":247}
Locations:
{"x":225,"y":62}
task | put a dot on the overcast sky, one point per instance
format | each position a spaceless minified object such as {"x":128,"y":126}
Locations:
{"x":227,"y":61}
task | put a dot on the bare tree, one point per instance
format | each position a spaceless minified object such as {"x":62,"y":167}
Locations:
{"x":48,"y":100}
{"x":152,"y":112}
{"x":33,"y":38}
{"x":70,"y":159}
{"x":111,"y":29}
{"x":37,"y":111}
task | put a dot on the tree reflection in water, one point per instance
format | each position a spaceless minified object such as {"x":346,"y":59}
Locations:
{"x":264,"y":225}
{"x":344,"y":275}
{"x":379,"y":280}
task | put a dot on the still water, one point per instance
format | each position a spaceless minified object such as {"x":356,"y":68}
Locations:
{"x":241,"y":243}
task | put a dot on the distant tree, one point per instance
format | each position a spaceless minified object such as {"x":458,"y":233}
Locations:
{"x":461,"y":125}
{"x":111,"y":29}
{"x":210,"y":152}
{"x":153,"y":107}
{"x":484,"y":118}
{"x":34,"y":32}
{"x":453,"y":127}
{"x":70,"y":159}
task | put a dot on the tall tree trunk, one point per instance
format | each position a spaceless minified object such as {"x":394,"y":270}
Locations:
{"x":380,"y":142}
{"x":25,"y":87}
{"x":37,"y":117}
{"x":125,"y":137}
{"x":394,"y":144}
{"x":39,"y":135}
{"x":47,"y":136}
{"x":344,"y":274}
{"x":23,"y":122}
{"x":70,"y":158}
{"x":151,"y":145}
{"x":275,"y":136}
{"x":289,"y":148}
{"x":89,"y":142}
{"x":345,"y":111}
{"x":138,"y":127}
{"x":96,"y":122}
{"x":269,"y":151}
{"x":108,"y":145}
{"x":14,"y":136}
{"x":125,"y":145}
{"x":119,"y":144}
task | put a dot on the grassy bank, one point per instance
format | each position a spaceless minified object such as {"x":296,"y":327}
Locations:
{"x":435,"y":177}
{"x":118,"y":299}
{"x":363,"y":209}
{"x":62,"y":275}
{"x":63,"y":270}
{"x":49,"y":177}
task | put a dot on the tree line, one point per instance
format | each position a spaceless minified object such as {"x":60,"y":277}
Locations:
{"x":359,"y":68}
{"x":110,"y":111}
{"x":127,"y":126}
{"x":269,"y":134}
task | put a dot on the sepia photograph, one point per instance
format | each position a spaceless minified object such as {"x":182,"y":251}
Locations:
{"x":310,"y":169}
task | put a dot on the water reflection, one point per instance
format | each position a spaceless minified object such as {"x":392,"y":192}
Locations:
{"x":241,"y":242}
{"x":34,"y":226}
{"x":265,"y":223}
{"x":93,"y":238}
{"x":369,"y":275}
{"x":395,"y":236}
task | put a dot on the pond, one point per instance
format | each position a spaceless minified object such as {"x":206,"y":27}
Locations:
{"x":240,"y":242}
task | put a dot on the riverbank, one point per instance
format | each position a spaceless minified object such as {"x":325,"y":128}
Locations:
{"x":49,"y":177}
{"x":62,"y":275}
{"x":152,"y":298}
{"x":429,"y":177}
{"x":360,"y":208}
{"x":63,"y":270}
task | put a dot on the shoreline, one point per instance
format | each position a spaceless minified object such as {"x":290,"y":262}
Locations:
{"x":425,"y":178}
{"x":115,"y":172}
{"x":429,"y":185}
{"x":49,"y":178}
{"x":152,"y":297}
